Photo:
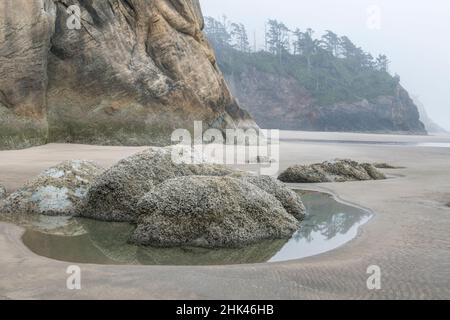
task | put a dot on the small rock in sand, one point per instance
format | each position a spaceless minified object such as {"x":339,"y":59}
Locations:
{"x":55,"y":192}
{"x":331,"y":171}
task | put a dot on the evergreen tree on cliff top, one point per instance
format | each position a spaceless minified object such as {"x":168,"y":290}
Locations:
{"x":331,"y":67}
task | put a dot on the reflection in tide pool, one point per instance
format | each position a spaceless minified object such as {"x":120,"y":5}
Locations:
{"x":329,"y":224}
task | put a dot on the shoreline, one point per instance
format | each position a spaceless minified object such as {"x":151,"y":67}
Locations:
{"x":407,"y":237}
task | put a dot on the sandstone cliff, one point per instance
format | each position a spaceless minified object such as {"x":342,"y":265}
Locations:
{"x":135,"y":71}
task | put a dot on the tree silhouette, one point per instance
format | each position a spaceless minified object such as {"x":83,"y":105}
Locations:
{"x":217,"y":32}
{"x":305,"y":45}
{"x":383,"y":63}
{"x":330,"y":42}
{"x":277,"y":37}
{"x":239,"y":37}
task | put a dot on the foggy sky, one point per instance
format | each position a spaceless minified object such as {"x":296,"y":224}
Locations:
{"x":413,"y":33}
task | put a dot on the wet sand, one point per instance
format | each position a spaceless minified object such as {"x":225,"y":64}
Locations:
{"x":408,"y":238}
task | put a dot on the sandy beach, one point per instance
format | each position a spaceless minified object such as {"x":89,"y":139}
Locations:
{"x":408,"y":238}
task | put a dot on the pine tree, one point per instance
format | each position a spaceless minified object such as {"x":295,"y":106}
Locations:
{"x":277,"y":36}
{"x":306,"y":45}
{"x":383,"y":63}
{"x":330,"y":42}
{"x":217,"y":32}
{"x":239,"y":37}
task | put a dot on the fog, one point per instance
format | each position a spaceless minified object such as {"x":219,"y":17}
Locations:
{"x":413,"y":33}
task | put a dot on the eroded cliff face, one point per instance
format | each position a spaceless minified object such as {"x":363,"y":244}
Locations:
{"x":134,"y":72}
{"x":281,"y":102}
{"x":26,"y":27}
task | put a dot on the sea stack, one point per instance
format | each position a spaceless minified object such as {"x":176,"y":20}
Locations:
{"x":129,"y":73}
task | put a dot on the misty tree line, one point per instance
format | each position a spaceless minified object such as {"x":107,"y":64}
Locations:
{"x":281,"y":41}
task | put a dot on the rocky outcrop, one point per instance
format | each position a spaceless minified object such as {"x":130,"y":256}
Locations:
{"x":55,"y":192}
{"x":206,"y":205}
{"x":113,"y":195}
{"x":210,"y":212}
{"x":281,"y":102}
{"x":135,"y":71}
{"x":172,"y":203}
{"x":331,"y":171}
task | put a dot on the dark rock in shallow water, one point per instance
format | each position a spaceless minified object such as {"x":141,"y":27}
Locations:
{"x":56,"y":191}
{"x":114,"y":194}
{"x":331,"y":171}
{"x":383,"y":165}
{"x":290,"y":200}
{"x":210,"y":212}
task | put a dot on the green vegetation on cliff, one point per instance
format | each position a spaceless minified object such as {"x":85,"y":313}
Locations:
{"x":331,"y":68}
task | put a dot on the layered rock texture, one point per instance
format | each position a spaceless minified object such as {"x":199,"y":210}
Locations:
{"x":331,"y":171}
{"x":134,"y":71}
{"x":55,"y":192}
